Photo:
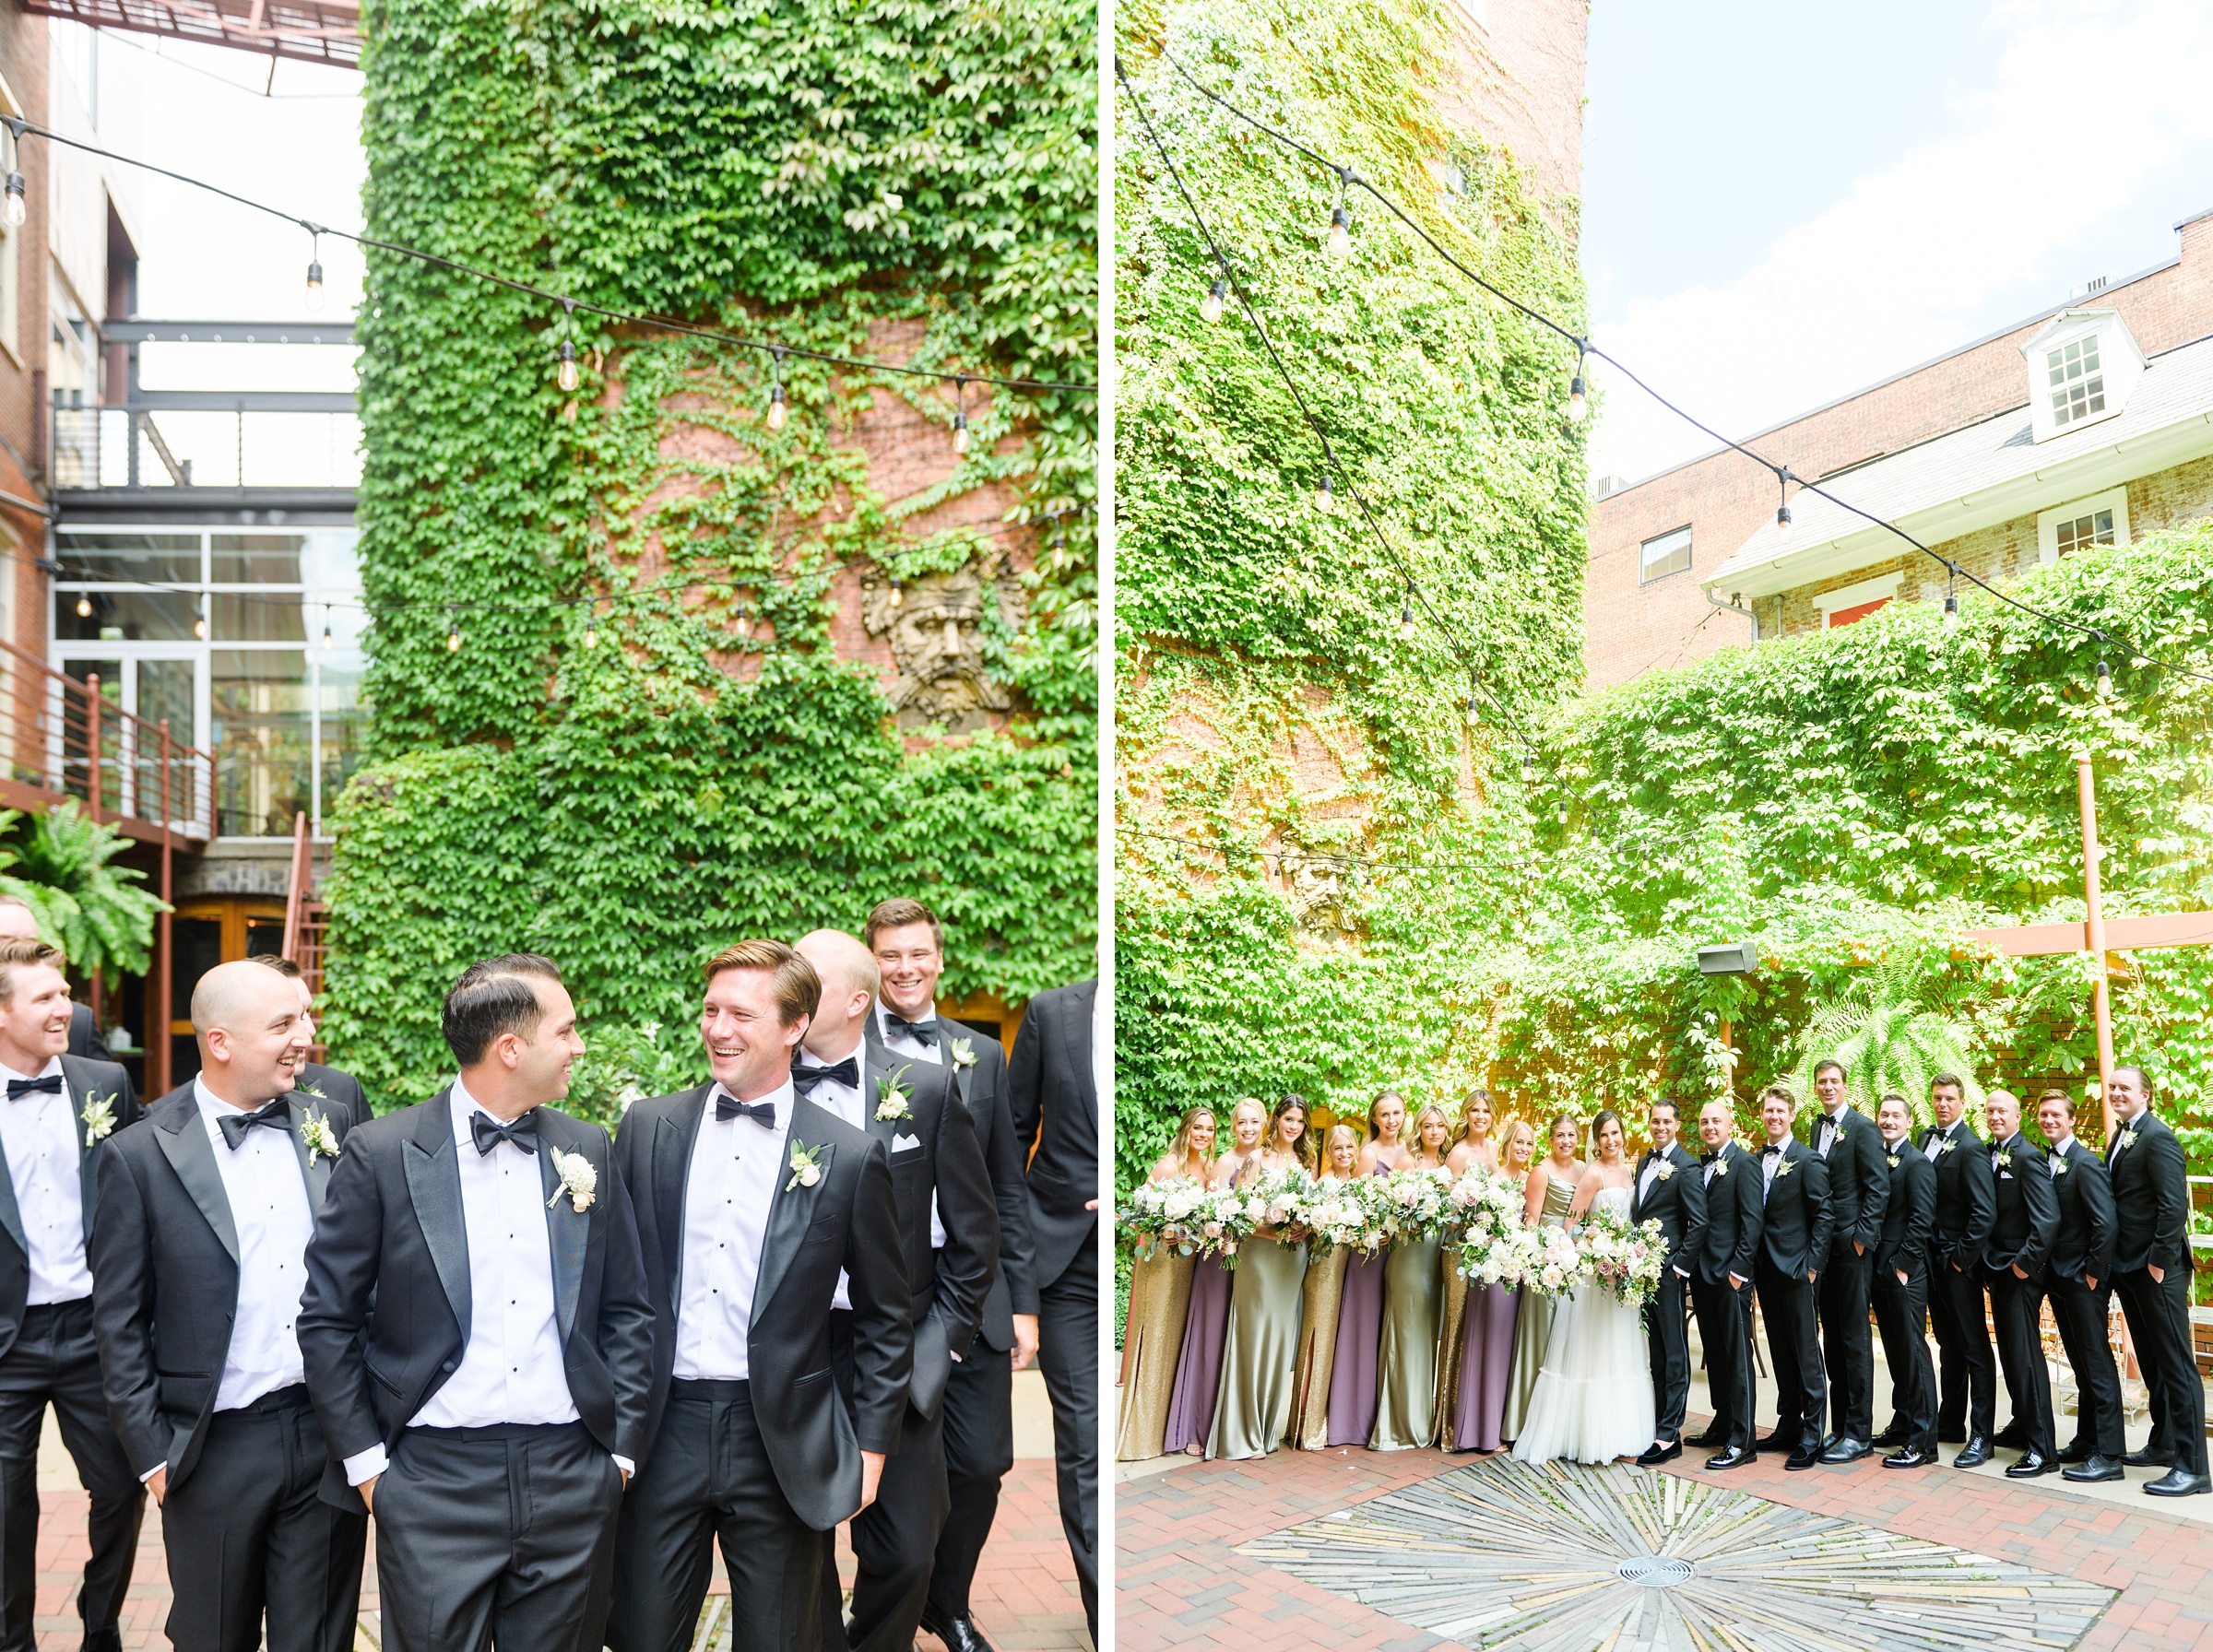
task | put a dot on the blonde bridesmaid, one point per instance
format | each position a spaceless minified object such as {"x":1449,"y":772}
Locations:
{"x":1360,"y":1313}
{"x":1199,"y":1362}
{"x":1472,"y":1150}
{"x":1260,"y":1348}
{"x":1160,"y":1296}
{"x":1318,"y":1314}
{"x":1550,"y":1191}
{"x":1413,"y":1297}
{"x":1488,"y":1354}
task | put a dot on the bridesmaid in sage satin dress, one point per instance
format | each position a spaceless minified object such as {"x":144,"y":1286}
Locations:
{"x":1551,"y":1192}
{"x":1317,"y":1315}
{"x":1413,"y":1302}
{"x":1360,"y":1315}
{"x":1160,"y":1298}
{"x":1260,"y":1350}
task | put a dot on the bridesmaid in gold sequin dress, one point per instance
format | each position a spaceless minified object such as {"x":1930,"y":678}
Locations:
{"x":1551,"y":1192}
{"x":1260,"y":1347}
{"x":1160,"y":1295}
{"x":1318,"y":1313}
{"x":1412,"y":1298}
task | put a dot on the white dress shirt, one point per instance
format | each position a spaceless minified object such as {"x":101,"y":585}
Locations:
{"x":270,"y":1209}
{"x":737,"y":1166}
{"x":1934,"y":1144}
{"x":1768,"y":1164}
{"x":2058,"y":1155}
{"x":39,"y":1134}
{"x":936,"y":1055}
{"x":1831,"y":1129}
{"x":845,"y":1100}
{"x":1651,"y":1175}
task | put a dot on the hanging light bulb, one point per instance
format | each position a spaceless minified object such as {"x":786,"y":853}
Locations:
{"x":13,"y":210}
{"x":1406,"y":613}
{"x":453,"y":636}
{"x":1782,"y":525}
{"x":199,"y":620}
{"x":1341,"y":233}
{"x":1528,"y":767}
{"x":315,"y":275}
{"x":775,"y":390}
{"x":591,"y":632}
{"x":1323,"y":498}
{"x":327,"y":630}
{"x":960,"y":416}
{"x":84,"y":608}
{"x":1210,"y":307}
{"x":1577,"y":404}
{"x":566,"y":374}
{"x":1951,"y":598}
{"x":2105,"y":680}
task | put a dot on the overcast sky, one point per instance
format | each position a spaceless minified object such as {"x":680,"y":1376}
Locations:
{"x":1784,"y":203}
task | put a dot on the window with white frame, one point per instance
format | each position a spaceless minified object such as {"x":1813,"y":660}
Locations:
{"x":2077,"y":384}
{"x":1664,"y":554}
{"x":2101,"y":519}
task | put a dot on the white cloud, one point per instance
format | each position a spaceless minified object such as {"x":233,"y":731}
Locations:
{"x":2081,"y":105}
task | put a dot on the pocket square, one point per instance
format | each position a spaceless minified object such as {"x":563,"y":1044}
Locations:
{"x":901,"y":1144}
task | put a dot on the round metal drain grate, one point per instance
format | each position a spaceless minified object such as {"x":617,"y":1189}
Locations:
{"x":1654,"y":1570}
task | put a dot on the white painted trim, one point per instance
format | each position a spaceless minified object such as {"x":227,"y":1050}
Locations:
{"x":2047,"y":522}
{"x":1883,"y":587}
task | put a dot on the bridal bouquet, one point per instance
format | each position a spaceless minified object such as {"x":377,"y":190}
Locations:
{"x":1411,"y":1204}
{"x":1487,"y":1226}
{"x":1547,"y":1262}
{"x":1626,"y":1258}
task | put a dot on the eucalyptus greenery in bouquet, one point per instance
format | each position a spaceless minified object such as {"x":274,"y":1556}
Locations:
{"x":1411,"y":1204}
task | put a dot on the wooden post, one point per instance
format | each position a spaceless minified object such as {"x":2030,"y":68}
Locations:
{"x":159,"y":1013}
{"x":2094,"y":936}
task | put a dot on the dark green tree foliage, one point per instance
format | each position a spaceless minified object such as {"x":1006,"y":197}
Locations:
{"x":887,"y":181}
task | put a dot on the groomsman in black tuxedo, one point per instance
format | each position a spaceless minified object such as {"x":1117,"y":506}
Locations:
{"x":949,"y":1238}
{"x":1967,"y":1203}
{"x":2079,"y":1278}
{"x":1902,"y":1290}
{"x":55,"y":1126}
{"x":17,"y":922}
{"x":2013,"y":1261}
{"x":757,"y":1209}
{"x":322,"y":1084}
{"x":1859,"y":1187}
{"x":206,"y":1206}
{"x":2151,"y":1269}
{"x":1721,"y":1285}
{"x":1064,"y":1056}
{"x":1669,"y":1189}
{"x":1794,"y":1244}
{"x":909,"y":944}
{"x":478,"y":1338}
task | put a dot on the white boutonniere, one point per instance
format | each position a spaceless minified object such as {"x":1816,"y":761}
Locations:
{"x":311,"y":1090}
{"x":578,"y":1179}
{"x":1720,"y":1167}
{"x":1666,"y":1170}
{"x":2006,"y":1158}
{"x":806,"y":1166}
{"x":2128,"y":1139}
{"x":318,"y":1138}
{"x":99,"y":1118}
{"x":1892,"y":1159}
{"x":1948,"y":1145}
{"x":963,"y":1052}
{"x":1783,"y":1168}
{"x":2059,"y":1167}
{"x":891,"y":1101}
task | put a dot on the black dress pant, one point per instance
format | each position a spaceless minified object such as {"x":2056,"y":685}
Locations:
{"x":1668,"y":1344}
{"x":1794,"y":1349}
{"x":248,"y":1534}
{"x":1967,"y":1393}
{"x":2083,"y":1318}
{"x":2018,"y":1306}
{"x":1903,"y":1313}
{"x":1068,"y":1351}
{"x":53,"y":1361}
{"x":979,"y":1449}
{"x":1847,"y":1344}
{"x":1726,"y":1332}
{"x":496,"y":1537}
{"x":2158,"y":1312}
{"x":895,"y":1538}
{"x":709,"y":1478}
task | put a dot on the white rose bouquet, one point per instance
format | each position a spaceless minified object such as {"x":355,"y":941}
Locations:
{"x":1626,"y":1258}
{"x":1549,"y":1262}
{"x":1337,"y":1214}
{"x":1416,"y":1203}
{"x":1283,"y":1198}
{"x":1487,"y":1226}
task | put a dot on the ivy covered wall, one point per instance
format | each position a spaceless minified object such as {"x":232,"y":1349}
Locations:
{"x":881,"y":181}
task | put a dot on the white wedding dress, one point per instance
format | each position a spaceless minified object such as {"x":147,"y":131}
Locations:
{"x":1593,"y":1401}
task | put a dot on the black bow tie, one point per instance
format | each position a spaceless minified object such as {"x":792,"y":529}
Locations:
{"x":1709,"y":1157}
{"x":1769,"y":1150}
{"x":488,"y":1133}
{"x":898,"y":1026}
{"x":277,"y":1115}
{"x":846,"y":1072}
{"x":50,"y":1085}
{"x":727,"y":1106}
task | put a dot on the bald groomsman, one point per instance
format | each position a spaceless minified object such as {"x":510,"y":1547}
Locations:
{"x":1902,"y":1290}
{"x":2151,"y":1269}
{"x":206,"y":1206}
{"x":2012,"y":1260}
{"x":1967,"y":1203}
{"x":323,"y":1083}
{"x":2079,"y":1277}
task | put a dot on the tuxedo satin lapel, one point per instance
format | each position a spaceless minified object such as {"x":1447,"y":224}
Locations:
{"x":674,"y":1138}
{"x":183,"y":1140}
{"x":314,"y":1168}
{"x":791,"y":1208}
{"x":11,"y":1217}
{"x":568,"y":1230}
{"x":1077,"y":1033}
{"x":433,"y":1168}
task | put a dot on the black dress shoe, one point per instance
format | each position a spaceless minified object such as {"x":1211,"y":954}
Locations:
{"x":1891,"y":1438}
{"x":2032,"y":1464}
{"x":1730,"y":1459}
{"x":2150,"y":1459}
{"x":960,"y":1634}
{"x":2180,"y":1483}
{"x":2010,"y":1438}
{"x":1712,"y":1436}
{"x":1778,"y":1441}
{"x":2076,"y":1454}
{"x":1805,"y":1456}
{"x":1975,"y":1456}
{"x":1655,"y":1454}
{"x":1910,"y":1457}
{"x":2096,"y":1467}
{"x":1842,"y":1450}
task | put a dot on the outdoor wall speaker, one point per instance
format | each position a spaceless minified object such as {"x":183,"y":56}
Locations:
{"x":1736,"y":958}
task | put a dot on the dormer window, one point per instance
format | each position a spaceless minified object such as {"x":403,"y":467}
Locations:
{"x":2078,"y":386}
{"x":2082,"y":364}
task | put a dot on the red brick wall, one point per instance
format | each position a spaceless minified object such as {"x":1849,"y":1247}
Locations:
{"x":23,"y":62}
{"x":1520,"y":84}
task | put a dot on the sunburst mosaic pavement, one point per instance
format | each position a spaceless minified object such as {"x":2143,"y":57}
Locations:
{"x":1561,"y":1557}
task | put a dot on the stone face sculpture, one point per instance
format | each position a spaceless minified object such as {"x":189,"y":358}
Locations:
{"x":1316,"y":884}
{"x":935,"y":623}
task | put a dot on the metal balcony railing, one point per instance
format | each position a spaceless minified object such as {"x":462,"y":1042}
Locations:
{"x":304,"y":442}
{"x":62,"y":737}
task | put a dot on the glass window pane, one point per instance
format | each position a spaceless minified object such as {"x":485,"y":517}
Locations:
{"x":345,"y":724}
{"x":124,"y":616}
{"x":259,"y":617}
{"x":257,"y":559}
{"x":155,"y":559}
{"x":331,"y":562}
{"x":260,"y":727}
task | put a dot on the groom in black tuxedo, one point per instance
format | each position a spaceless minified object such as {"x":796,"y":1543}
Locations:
{"x":1721,"y":1285}
{"x":1902,"y":1290}
{"x":206,"y":1206}
{"x":2079,"y":1277}
{"x":477,"y":1336}
{"x":2013,"y":1261}
{"x":757,"y":1209}
{"x":2151,"y":1270}
{"x":1793,"y":1244}
{"x":1668,"y":1189}
{"x":1859,"y":1187}
{"x":1967,"y":1203}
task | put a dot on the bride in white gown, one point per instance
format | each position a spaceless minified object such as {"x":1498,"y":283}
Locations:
{"x":1593,"y":1401}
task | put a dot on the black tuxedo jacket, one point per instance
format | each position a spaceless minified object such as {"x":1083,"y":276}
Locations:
{"x":1795,"y":1224}
{"x":1858,"y":1179}
{"x":341,"y":1089}
{"x":2027,"y":1209}
{"x":1967,"y":1198}
{"x":165,"y":1274}
{"x":948,"y":1284}
{"x":983,"y":1091}
{"x":847,"y":1220}
{"x":2151,"y":1197}
{"x":1734,"y":1218}
{"x":386,"y":1315}
{"x":86,"y":1080}
{"x":2082,"y":1246}
{"x":1678,"y":1205}
{"x":1908,"y":1213}
{"x":1056,"y":1106}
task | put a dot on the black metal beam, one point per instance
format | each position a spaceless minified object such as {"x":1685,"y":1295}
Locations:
{"x":227,"y":332}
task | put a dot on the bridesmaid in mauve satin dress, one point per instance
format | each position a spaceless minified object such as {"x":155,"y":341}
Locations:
{"x":1488,"y":1358}
{"x":1551,"y":1191}
{"x":1471,"y":1149}
{"x":1412,"y":1301}
{"x":1160,"y":1298}
{"x":1199,"y":1363}
{"x":1317,"y":1315}
{"x":1260,"y":1350}
{"x":1360,"y":1315}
